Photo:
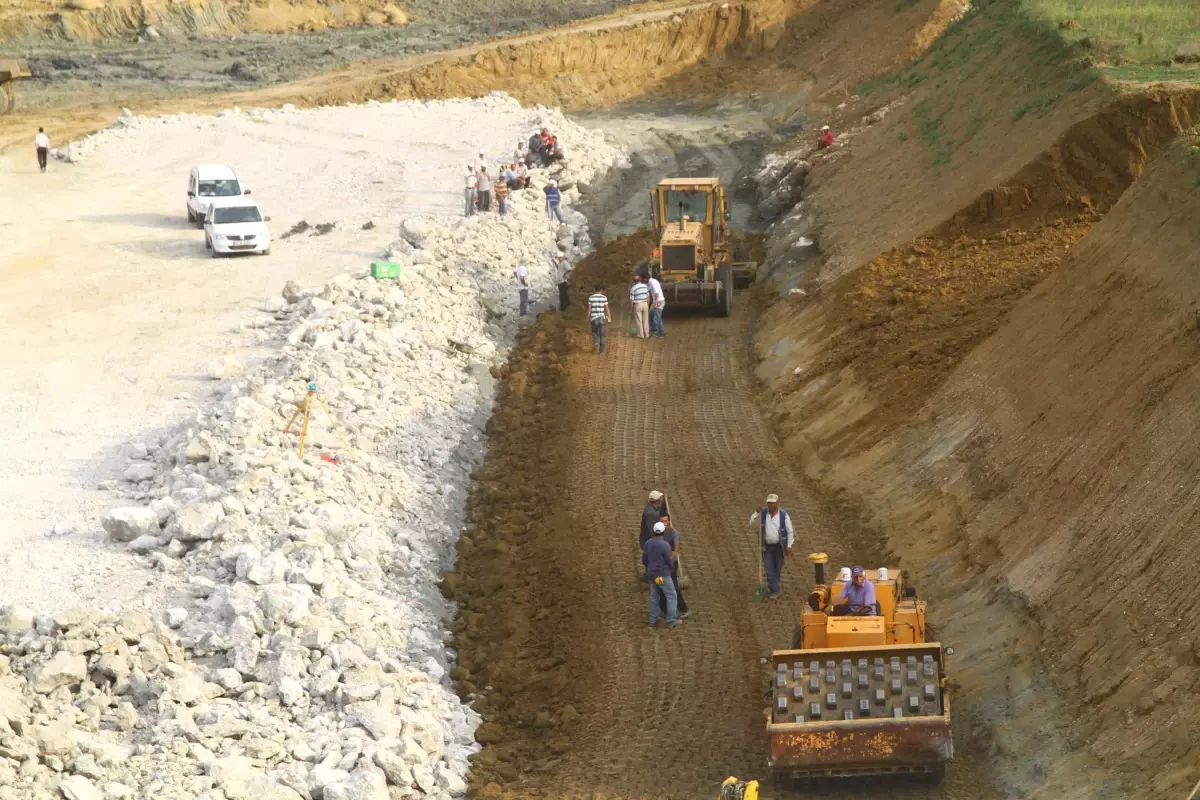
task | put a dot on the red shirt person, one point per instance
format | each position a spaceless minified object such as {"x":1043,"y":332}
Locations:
{"x":826,"y":138}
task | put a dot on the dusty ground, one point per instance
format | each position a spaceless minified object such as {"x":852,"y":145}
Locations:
{"x":554,"y":617}
{"x":113,"y":334}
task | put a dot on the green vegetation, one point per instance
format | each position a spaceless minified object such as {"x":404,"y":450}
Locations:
{"x":1037,"y":104}
{"x":1154,"y":73}
{"x":932,"y":135}
{"x":903,"y":136}
{"x":1146,"y":30}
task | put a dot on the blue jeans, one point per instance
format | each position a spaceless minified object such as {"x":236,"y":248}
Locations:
{"x":552,"y":211}
{"x":503,"y":206}
{"x":470,"y":201}
{"x":656,"y":321}
{"x":668,"y":590}
{"x":772,"y":556}
{"x":600,"y":334}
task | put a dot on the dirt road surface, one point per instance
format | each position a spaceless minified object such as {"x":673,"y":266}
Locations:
{"x":652,"y":713}
{"x":110,"y":335}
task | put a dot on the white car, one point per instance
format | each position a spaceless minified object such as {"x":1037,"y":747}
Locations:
{"x":236,"y":226}
{"x":209,"y":184}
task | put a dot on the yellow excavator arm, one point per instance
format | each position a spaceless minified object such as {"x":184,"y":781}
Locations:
{"x":733,"y":789}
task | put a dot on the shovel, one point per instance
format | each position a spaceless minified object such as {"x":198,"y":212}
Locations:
{"x":684,"y":581}
{"x":760,"y":591}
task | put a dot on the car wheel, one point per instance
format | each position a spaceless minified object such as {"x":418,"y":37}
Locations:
{"x":215,"y":254}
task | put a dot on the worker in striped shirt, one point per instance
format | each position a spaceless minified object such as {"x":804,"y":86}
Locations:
{"x":639,"y":301}
{"x":599,"y":315}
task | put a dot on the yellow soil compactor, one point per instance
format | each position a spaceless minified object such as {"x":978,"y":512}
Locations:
{"x":694,"y":261}
{"x":859,"y":695}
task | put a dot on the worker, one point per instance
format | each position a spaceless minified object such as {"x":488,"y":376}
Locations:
{"x":671,"y":536}
{"x":501,"y":191}
{"x":562,"y":270}
{"x":656,"y":565}
{"x":826,"y":138}
{"x":858,"y":596}
{"x":553,"y":199}
{"x":42,"y":143}
{"x":639,"y":303}
{"x":599,"y":316}
{"x":657,"y":303}
{"x":776,"y":536}
{"x":655,"y":508}
{"x":522,"y":174}
{"x":472,"y":183}
{"x":521,"y":276}
{"x":534,"y":156}
{"x":484,"y":189}
{"x":520,"y":153}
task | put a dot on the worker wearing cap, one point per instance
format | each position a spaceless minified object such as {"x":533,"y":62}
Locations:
{"x":553,"y":199}
{"x":858,"y":596}
{"x":655,"y":508}
{"x":656,"y":564}
{"x":826,"y":138}
{"x":472,"y":183}
{"x":776,"y":537}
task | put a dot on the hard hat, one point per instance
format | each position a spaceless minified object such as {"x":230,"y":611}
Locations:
{"x":824,"y":127}
{"x":655,"y":495}
{"x":855,"y":571}
{"x":554,"y":183}
{"x":772,"y":498}
{"x":659,"y":527}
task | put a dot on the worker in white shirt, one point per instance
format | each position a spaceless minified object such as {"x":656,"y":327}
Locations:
{"x":42,"y":143}
{"x":657,"y":303}
{"x":776,"y":538}
{"x":472,"y":183}
{"x":521,"y":276}
{"x":562,"y":269}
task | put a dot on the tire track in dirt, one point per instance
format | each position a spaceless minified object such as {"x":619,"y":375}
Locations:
{"x":585,"y":699}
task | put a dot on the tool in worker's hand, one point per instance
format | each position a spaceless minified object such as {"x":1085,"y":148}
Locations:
{"x":305,"y":407}
{"x":684,"y":581}
{"x":760,"y":591}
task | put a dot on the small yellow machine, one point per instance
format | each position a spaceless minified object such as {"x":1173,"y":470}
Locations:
{"x":859,"y":695}
{"x":693,"y":260}
{"x":11,"y":70}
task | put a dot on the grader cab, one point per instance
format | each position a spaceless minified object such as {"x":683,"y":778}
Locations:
{"x":859,"y":695}
{"x":11,"y":70}
{"x":694,"y":261}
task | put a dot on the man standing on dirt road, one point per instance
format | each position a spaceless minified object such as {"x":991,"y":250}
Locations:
{"x":562,"y":270}
{"x":776,"y":538}
{"x":599,"y":316}
{"x":639,"y":303}
{"x":656,"y":562}
{"x":658,"y":302}
{"x":42,"y":143}
{"x":671,"y":536}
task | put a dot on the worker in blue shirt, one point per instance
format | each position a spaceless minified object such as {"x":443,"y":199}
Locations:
{"x":553,"y":199}
{"x":656,"y":559}
{"x":858,"y":596}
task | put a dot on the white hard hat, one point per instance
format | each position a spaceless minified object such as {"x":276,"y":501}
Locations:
{"x":554,"y":183}
{"x":659,"y":527}
{"x":824,"y":127}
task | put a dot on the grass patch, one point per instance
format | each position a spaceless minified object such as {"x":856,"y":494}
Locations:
{"x":973,"y":125}
{"x":929,"y":126}
{"x":1038,"y":104}
{"x":1154,"y":73}
{"x":902,"y":136}
{"x":1084,"y":80}
{"x":1149,"y":30}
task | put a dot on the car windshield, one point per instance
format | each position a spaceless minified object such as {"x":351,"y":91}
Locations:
{"x":694,"y":205}
{"x":223,"y":188}
{"x":237,"y":214}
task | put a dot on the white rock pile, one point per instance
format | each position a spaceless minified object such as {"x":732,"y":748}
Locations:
{"x":302,"y":652}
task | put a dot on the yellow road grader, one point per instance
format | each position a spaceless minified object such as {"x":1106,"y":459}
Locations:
{"x":859,"y":695}
{"x":694,"y":261}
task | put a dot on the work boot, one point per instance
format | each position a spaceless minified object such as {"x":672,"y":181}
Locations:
{"x":675,"y":624}
{"x":773,"y":596}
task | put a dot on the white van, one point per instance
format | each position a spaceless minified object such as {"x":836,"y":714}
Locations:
{"x":208,"y":183}
{"x":236,"y":226}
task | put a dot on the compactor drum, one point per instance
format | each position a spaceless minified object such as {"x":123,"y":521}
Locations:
{"x":694,"y":261}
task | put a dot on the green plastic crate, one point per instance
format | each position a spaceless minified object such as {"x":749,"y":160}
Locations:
{"x":385,"y":269}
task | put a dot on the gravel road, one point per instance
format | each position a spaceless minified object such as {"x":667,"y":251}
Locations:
{"x":113,"y":309}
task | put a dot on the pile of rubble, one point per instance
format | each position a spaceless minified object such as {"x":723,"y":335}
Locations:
{"x":303,"y":649}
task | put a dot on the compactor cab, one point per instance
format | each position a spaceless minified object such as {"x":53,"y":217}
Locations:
{"x":693,"y":260}
{"x":859,"y":695}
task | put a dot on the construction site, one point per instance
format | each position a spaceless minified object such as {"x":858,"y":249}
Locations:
{"x":336,"y":519}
